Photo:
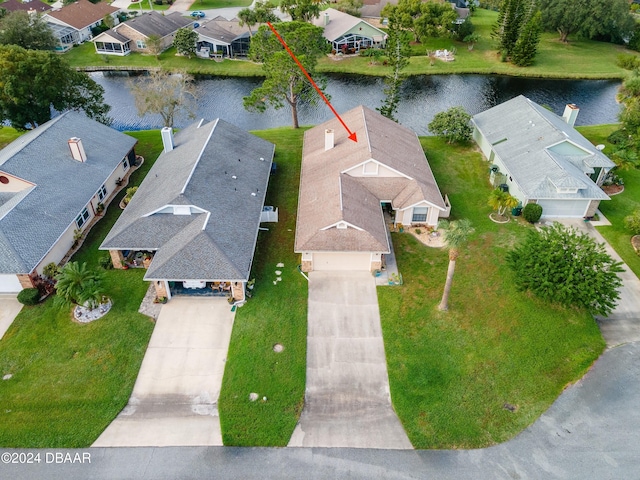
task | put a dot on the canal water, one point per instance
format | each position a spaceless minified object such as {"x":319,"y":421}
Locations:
{"x":421,"y":98}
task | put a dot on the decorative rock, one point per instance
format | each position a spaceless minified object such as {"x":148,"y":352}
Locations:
{"x":278,"y":272}
{"x":85,"y":315}
{"x":7,"y":376}
{"x":264,"y":399}
{"x":253,"y":396}
{"x":281,"y":265}
{"x":278,"y":348}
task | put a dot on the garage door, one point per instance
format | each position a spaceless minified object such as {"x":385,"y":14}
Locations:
{"x":342,"y":261}
{"x":563,"y":208}
{"x":9,"y":284}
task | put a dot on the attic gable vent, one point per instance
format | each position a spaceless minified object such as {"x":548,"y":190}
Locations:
{"x":181,"y":210}
{"x":341,"y":225}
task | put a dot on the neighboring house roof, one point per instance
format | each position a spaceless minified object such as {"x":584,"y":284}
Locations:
{"x":82,"y":13}
{"x":330,"y":195}
{"x":154,"y":23}
{"x":541,"y":151}
{"x":32,"y":220}
{"x":222,"y":30}
{"x":111,"y":36}
{"x":15,"y":5}
{"x":339,"y":23}
{"x":219,"y":174}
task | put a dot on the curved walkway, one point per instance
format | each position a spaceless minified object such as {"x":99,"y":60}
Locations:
{"x":347,"y":399}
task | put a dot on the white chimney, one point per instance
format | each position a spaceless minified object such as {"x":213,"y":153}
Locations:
{"x":77,"y":150}
{"x":326,"y":19}
{"x":570,"y":114}
{"x":167,"y":138}
{"x":328,"y":139}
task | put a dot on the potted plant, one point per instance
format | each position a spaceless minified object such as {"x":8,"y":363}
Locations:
{"x":100,"y":207}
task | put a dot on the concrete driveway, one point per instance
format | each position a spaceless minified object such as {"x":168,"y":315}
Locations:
{"x":174,"y":400}
{"x":347,"y":401}
{"x":9,"y":309}
{"x":623,"y":324}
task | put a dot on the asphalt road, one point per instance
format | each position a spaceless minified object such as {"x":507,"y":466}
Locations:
{"x":591,"y":432}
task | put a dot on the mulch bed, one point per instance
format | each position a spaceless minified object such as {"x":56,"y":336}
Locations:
{"x":613,"y":189}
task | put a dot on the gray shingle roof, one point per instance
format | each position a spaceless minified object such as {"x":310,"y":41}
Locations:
{"x":328,"y":195}
{"x":339,"y":23}
{"x":539,"y":149}
{"x":154,"y":23}
{"x":32,"y":220}
{"x":217,"y":240}
{"x":222,"y":30}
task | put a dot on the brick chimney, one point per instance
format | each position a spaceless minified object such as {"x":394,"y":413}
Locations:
{"x":77,"y":150}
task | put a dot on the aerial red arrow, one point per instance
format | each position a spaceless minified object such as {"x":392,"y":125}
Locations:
{"x":352,"y":135}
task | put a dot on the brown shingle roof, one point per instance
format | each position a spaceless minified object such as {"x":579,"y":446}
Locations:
{"x":329,"y":194}
{"x":16,"y":5}
{"x":82,"y":13}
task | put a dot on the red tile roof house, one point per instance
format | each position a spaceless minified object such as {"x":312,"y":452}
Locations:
{"x":345,"y":185}
{"x":51,"y":185}
{"x":72,"y":23}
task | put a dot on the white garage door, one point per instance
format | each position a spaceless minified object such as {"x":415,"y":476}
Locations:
{"x":342,"y":261}
{"x":563,"y":208}
{"x":9,"y":284}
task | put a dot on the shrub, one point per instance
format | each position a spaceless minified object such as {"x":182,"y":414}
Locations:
{"x":29,"y":296}
{"x":50,"y":270}
{"x":619,"y":137}
{"x":627,"y":61}
{"x":632,"y":222}
{"x":532,"y":212}
{"x":105,"y":262}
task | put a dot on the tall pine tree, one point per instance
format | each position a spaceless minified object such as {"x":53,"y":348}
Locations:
{"x":526,"y":47}
{"x":397,"y":49}
{"x":518,"y":19}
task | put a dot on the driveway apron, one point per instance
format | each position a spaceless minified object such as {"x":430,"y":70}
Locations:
{"x":623,"y":324}
{"x":347,"y":401}
{"x":9,"y":309}
{"x":174,"y":400}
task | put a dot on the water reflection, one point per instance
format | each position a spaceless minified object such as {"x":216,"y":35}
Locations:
{"x":421,"y":98}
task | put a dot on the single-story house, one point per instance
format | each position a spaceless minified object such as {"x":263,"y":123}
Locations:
{"x":223,"y":38}
{"x":347,"y":33}
{"x":54,"y":180}
{"x":30,"y":6}
{"x":132,"y":35}
{"x":197,"y":213}
{"x":72,"y":23}
{"x":346,"y":187}
{"x":541,"y":158}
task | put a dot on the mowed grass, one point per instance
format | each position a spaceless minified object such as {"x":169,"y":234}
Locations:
{"x":620,"y":205}
{"x":208,"y":4}
{"x":455,"y":375}
{"x":8,"y":135}
{"x":576,"y":59}
{"x":70,"y":380}
{"x":276,"y":314}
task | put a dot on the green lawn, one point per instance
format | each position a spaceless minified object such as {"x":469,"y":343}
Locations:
{"x":576,"y":59}
{"x":8,"y":135}
{"x":144,"y":6}
{"x":276,"y":314}
{"x":452,"y":373}
{"x":70,"y":380}
{"x":208,"y":4}
{"x":620,"y":205}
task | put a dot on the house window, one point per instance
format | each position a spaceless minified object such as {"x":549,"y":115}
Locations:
{"x":82,"y":218}
{"x":125,"y":164}
{"x":102,"y":193}
{"x":140,"y":44}
{"x":419,"y":214}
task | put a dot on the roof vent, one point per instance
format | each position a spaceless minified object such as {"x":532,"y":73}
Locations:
{"x":77,"y":150}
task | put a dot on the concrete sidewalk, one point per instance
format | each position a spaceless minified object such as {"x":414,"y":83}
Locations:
{"x":623,"y":324}
{"x":347,"y":401}
{"x":174,"y":400}
{"x":9,"y":309}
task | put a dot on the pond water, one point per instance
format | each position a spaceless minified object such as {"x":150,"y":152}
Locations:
{"x":421,"y":98}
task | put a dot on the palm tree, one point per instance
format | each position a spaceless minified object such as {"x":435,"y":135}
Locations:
{"x":500,"y":200}
{"x":456,"y":234}
{"x":79,"y":285}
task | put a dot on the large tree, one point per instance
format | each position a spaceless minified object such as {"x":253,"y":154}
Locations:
{"x":27,"y":31}
{"x":262,"y":12}
{"x":423,"y":19}
{"x":302,"y":10}
{"x":32,"y":82}
{"x":185,"y":41}
{"x":284,"y":80}
{"x":166,"y":94}
{"x":397,"y":50}
{"x":526,"y":47}
{"x":452,"y":124}
{"x":456,"y":234}
{"x":603,"y":19}
{"x":560,"y":264}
